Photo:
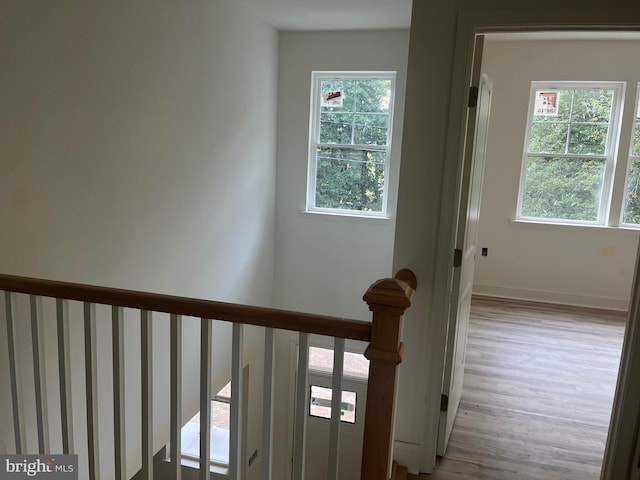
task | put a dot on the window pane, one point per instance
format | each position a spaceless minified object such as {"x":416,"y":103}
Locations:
{"x":336,"y":128}
{"x":592,"y":105}
{"x":635,"y":149}
{"x":371,"y":129}
{"x":346,"y":87}
{"x":373,"y":96}
{"x":364,"y":121}
{"x":320,"y":404}
{"x":355,"y":364}
{"x":350,"y":179}
{"x":564,"y":100}
{"x":548,"y":138}
{"x":220,"y":421}
{"x":632,"y":198}
{"x":588,"y":139}
{"x":583,"y":114}
{"x":563,"y":188}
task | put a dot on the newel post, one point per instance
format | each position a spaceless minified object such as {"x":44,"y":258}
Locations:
{"x":388,"y":299}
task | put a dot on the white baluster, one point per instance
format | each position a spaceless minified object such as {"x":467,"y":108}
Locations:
{"x":19,"y":433}
{"x":267,"y":405}
{"x":64,"y":373}
{"x":146,"y":350}
{"x":91,"y":375}
{"x":336,"y":408}
{"x":175,"y":439}
{"x":205,"y":399}
{"x":119,"y":432}
{"x":235,"y":434}
{"x":39,"y":374}
{"x":302,"y":404}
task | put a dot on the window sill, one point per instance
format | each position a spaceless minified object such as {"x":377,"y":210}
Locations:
{"x":213,"y":468}
{"x":530,"y":223}
{"x":347,"y":216}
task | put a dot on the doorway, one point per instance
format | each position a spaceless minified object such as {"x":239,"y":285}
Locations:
{"x":613,"y":241}
{"x":318,"y":411}
{"x":353,"y":407}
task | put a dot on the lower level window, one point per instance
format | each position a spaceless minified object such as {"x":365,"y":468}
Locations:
{"x":320,"y":404}
{"x":220,"y":422}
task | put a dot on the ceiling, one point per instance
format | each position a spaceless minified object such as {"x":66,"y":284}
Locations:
{"x":332,"y":14}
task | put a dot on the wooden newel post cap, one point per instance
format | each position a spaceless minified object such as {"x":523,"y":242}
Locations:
{"x":392,"y":292}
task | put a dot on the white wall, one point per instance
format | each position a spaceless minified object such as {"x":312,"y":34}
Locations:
{"x":324,"y":264}
{"x":575,"y":265}
{"x":321,"y":257}
{"x":137,"y":149}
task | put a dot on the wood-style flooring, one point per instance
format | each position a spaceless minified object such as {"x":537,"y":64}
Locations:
{"x":538,"y":391}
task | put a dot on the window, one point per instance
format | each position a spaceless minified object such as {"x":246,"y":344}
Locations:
{"x":355,"y":367}
{"x":320,"y":404}
{"x":220,"y":425}
{"x":354,"y":364}
{"x":569,"y":160}
{"x":350,"y":140}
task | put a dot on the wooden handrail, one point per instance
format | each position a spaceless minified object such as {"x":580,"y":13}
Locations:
{"x":231,"y":312}
{"x":387,"y":299}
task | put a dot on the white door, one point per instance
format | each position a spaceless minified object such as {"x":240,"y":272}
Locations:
{"x":466,"y":238}
{"x":354,"y":395}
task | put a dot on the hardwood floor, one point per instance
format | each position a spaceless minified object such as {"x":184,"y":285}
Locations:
{"x":538,"y":390}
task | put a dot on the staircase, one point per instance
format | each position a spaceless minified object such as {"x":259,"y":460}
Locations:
{"x":107,"y":323}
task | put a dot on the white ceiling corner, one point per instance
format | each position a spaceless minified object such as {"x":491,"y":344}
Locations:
{"x":333,"y":14}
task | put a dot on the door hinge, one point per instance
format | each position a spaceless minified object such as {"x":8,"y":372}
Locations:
{"x":457,"y":257}
{"x":444,"y":402}
{"x":473,"y":97}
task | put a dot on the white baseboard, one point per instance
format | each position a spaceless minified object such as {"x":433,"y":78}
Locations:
{"x":411,"y":456}
{"x":621,"y":304}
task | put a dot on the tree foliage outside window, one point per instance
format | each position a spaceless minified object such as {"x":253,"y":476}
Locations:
{"x":568,"y":156}
{"x":631,"y":212}
{"x":350,"y":142}
{"x":563,"y":188}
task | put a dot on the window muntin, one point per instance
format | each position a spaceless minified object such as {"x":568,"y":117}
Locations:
{"x":350,"y":140}
{"x":631,"y":209}
{"x":569,"y":155}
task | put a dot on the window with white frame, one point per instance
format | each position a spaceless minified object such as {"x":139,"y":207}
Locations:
{"x":350,"y":141}
{"x":569,"y":159}
{"x":220,"y":427}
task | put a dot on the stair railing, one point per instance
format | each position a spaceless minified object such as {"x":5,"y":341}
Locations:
{"x":387,"y":299}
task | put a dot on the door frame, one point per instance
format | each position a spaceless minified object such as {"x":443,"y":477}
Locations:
{"x":621,"y":452}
